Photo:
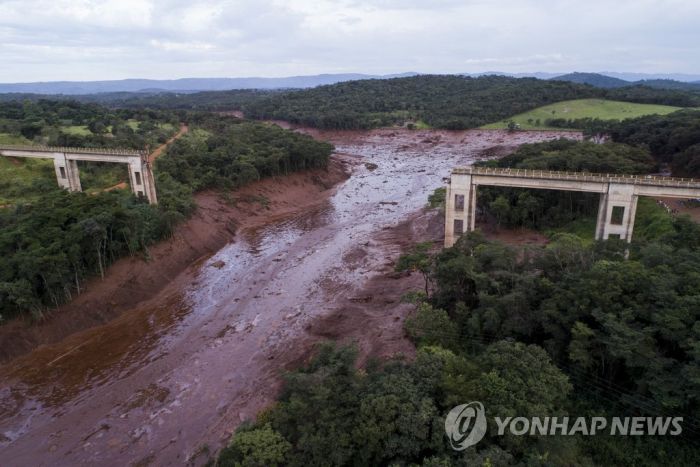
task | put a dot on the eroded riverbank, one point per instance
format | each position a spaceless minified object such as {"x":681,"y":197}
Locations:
{"x":134,"y":280}
{"x":188,"y":366}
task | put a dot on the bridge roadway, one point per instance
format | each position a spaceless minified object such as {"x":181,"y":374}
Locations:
{"x":618,"y":195}
{"x":67,"y":173}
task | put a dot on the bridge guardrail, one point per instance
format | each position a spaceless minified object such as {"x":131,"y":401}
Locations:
{"x":581,"y":176}
{"x":105,"y":151}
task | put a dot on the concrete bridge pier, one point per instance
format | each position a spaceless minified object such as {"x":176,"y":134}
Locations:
{"x":67,"y":172}
{"x":460,"y":201}
{"x":616,"y":212}
{"x":150,"y":183}
{"x":141,"y":180}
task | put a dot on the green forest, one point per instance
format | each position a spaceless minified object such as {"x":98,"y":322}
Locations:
{"x":567,"y":329}
{"x":673,"y":139}
{"x":451,"y":102}
{"x":76,"y":124}
{"x":52,"y":244}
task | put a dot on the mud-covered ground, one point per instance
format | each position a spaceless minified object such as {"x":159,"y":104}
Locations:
{"x":170,"y":378}
{"x":134,"y":280}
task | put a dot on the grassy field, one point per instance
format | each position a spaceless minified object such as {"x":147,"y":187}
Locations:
{"x":80,"y":130}
{"x":12,"y":139}
{"x":582,"y":108}
{"x":20,"y":179}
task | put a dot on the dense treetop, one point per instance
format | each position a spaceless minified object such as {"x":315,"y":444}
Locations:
{"x":673,"y":138}
{"x":441,"y":101}
{"x":570,"y":329}
{"x":73,"y":123}
{"x":233,"y":152}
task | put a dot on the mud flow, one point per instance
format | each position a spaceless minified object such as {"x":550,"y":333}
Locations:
{"x":167,"y":381}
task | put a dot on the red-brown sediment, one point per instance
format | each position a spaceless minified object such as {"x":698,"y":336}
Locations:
{"x":134,"y":280}
{"x":172,"y":375}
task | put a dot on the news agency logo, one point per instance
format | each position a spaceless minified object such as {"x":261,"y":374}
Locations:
{"x":466,"y":425}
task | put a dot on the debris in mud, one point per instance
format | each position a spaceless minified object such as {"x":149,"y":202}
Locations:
{"x":370,"y":166}
{"x":218,"y":264}
{"x":497,"y":151}
{"x":399,"y":275}
{"x":365,"y":299}
{"x":225,"y":331}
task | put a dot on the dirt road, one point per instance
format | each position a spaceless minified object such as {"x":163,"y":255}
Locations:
{"x":153,"y":156}
{"x":184,"y":369}
{"x":160,"y":149}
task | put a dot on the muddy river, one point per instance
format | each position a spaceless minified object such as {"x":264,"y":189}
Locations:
{"x":181,"y":372}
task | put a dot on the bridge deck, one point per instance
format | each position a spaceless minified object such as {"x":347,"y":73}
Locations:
{"x":654,"y":180}
{"x":95,"y":151}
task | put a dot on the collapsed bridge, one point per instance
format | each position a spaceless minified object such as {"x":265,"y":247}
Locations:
{"x":618,"y":195}
{"x":66,"y":166}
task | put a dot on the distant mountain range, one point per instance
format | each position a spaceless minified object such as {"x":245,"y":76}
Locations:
{"x":604,"y":81}
{"x":189,"y":85}
{"x":594,"y":79}
{"x":186,"y":84}
{"x":624,"y":78}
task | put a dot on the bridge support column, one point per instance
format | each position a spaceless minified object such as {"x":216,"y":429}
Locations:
{"x":150,"y":183}
{"x":460,"y":208}
{"x":141,"y":180}
{"x":67,"y":172}
{"x":616,"y":212}
{"x":74,"y":175}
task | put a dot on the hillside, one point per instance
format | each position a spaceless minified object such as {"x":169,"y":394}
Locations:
{"x":594,"y":79}
{"x":604,"y":81}
{"x":670,"y":84}
{"x":440,"y":101}
{"x":582,"y":108}
{"x":184,"y":84}
{"x":450,"y":102}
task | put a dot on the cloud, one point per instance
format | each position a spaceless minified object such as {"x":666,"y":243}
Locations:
{"x":537,"y":59}
{"x":98,"y":39}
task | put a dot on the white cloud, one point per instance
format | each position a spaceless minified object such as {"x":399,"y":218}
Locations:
{"x":98,"y":39}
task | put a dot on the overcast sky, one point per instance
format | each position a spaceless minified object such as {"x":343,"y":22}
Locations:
{"x":48,"y":40}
